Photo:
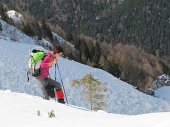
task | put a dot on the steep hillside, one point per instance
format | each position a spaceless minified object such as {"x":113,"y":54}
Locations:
{"x":142,"y":23}
{"x":141,"y":26}
{"x":29,"y":111}
{"x":119,"y":98}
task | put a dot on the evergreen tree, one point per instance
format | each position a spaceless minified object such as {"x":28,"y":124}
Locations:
{"x":46,"y":29}
{"x":27,"y":29}
{"x":84,"y":49}
{"x":48,"y":32}
{"x":2,"y":13}
{"x":0,"y":27}
{"x":107,"y":66}
{"x":1,"y":9}
{"x":91,"y":49}
{"x":78,"y":57}
{"x":36,"y":28}
{"x":115,"y":69}
{"x":69,"y":36}
{"x":97,"y":54}
{"x":92,"y":90}
{"x":77,"y":42}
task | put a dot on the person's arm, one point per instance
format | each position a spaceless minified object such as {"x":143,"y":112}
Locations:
{"x":53,"y":62}
{"x":47,"y":62}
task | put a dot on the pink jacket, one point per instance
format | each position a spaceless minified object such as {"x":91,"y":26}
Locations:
{"x":44,"y":68}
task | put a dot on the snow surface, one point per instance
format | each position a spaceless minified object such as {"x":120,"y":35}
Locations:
{"x":18,"y":110}
{"x":163,"y":93}
{"x":121,"y":98}
{"x":16,"y":16}
{"x":13,"y":34}
{"x":19,"y":107}
{"x":160,"y":81}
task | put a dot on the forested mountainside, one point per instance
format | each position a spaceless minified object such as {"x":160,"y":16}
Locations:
{"x":143,"y":23}
{"x":141,"y":26}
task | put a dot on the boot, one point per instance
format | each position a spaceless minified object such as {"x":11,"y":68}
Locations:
{"x":59,"y":94}
{"x":61,"y":101}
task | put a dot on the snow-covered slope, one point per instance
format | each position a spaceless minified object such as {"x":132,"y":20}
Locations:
{"x":13,"y":34}
{"x":121,"y":98}
{"x":16,"y":16}
{"x":21,"y":110}
{"x":160,"y":87}
{"x":162,"y":80}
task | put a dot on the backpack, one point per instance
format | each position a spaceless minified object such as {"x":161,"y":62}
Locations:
{"x":34,"y":63}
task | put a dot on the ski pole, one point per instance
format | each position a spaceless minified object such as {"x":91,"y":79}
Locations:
{"x":55,"y":72}
{"x":55,"y":95}
{"x":29,"y":53}
{"x":55,"y":80}
{"x":62,"y":83}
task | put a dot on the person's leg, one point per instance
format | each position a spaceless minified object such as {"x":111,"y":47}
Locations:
{"x":58,"y":90}
{"x":41,"y":84}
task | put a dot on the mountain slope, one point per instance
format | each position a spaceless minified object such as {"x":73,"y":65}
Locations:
{"x":142,"y":23}
{"x":141,"y":26}
{"x":21,"y":110}
{"x":120,"y":98}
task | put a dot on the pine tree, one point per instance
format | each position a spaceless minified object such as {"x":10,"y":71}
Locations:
{"x":27,"y":29}
{"x":107,"y":66}
{"x":97,"y":54}
{"x":0,"y":27}
{"x":49,"y":33}
{"x":36,"y":28}
{"x":69,"y":36}
{"x":91,"y":50}
{"x":1,"y":9}
{"x":46,"y":29}
{"x":92,"y":90}
{"x":77,"y":43}
{"x":2,"y":13}
{"x":84,"y":50}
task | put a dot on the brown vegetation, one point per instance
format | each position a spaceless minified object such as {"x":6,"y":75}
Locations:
{"x":138,"y":67}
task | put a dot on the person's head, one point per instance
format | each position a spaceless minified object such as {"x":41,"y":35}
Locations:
{"x":57,"y":51}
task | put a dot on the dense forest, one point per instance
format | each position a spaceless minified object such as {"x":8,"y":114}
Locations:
{"x":143,"y":23}
{"x":118,"y":35}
